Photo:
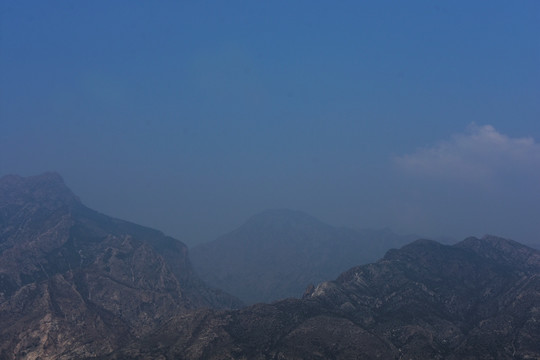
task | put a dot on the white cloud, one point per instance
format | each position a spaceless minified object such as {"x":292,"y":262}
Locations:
{"x":479,"y":154}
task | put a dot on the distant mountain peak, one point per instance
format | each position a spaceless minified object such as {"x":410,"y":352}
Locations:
{"x":277,"y":252}
{"x":282,"y":219}
{"x":282,"y":215}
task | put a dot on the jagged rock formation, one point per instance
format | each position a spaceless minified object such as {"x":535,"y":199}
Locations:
{"x":275,"y":254}
{"x":76,"y":283}
{"x":478,"y":299}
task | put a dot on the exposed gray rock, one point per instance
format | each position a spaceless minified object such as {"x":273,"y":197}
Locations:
{"x":75,"y":283}
{"x":478,"y":299}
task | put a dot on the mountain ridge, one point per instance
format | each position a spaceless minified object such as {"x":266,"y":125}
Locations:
{"x":276,"y":253}
{"x":75,"y":282}
{"x":423,"y":301}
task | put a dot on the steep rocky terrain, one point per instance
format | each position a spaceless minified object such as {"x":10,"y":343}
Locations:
{"x":75,"y":283}
{"x":478,"y":299}
{"x":275,"y":254}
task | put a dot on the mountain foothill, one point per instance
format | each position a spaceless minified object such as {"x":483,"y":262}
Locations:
{"x":77,"y":284}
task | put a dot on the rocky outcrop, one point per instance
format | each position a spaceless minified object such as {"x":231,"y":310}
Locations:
{"x":75,"y":283}
{"x":478,"y":299}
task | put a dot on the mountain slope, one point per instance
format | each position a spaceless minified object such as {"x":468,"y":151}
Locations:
{"x":478,"y":299}
{"x":74,"y":282}
{"x":275,"y":254}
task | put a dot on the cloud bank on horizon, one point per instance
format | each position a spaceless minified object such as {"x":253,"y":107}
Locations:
{"x":481,"y":154}
{"x":475,"y":182}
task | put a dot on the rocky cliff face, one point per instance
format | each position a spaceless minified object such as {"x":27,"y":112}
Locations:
{"x":276,"y":253}
{"x":478,"y":299}
{"x":75,"y":283}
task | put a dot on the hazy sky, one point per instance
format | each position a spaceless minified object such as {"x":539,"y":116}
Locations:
{"x":191,"y":116}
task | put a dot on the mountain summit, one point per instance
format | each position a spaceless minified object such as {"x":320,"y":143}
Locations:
{"x":276,"y":253}
{"x":74,"y":282}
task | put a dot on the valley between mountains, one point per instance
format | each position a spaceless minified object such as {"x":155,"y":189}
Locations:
{"x":77,"y":284}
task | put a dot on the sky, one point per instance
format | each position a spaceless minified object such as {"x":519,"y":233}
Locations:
{"x":191,"y":116}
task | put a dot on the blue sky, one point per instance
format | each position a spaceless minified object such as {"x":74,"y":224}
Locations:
{"x":191,"y":116}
